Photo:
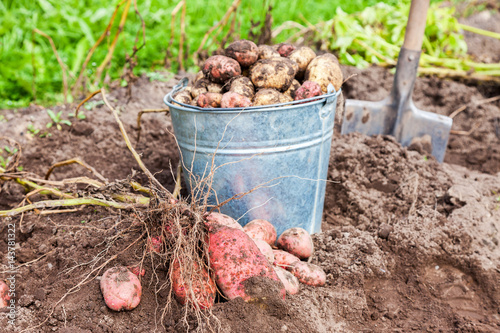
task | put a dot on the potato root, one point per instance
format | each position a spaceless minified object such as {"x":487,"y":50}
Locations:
{"x":202,"y":286}
{"x":235,"y":258}
{"x":243,"y":86}
{"x":220,"y":68}
{"x":121,"y":289}
{"x":289,"y":280}
{"x":284,"y":259}
{"x":222,"y":219}
{"x":309,"y":274}
{"x":302,"y":56}
{"x":274,"y":73}
{"x":209,"y":100}
{"x":234,"y":100}
{"x":307,"y":90}
{"x":323,"y":70}
{"x":296,"y":241}
{"x":261,"y":229}
{"x":267,"y":52}
{"x":245,"y":52}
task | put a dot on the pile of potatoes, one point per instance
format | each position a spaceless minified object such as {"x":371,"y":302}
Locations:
{"x":251,"y":75}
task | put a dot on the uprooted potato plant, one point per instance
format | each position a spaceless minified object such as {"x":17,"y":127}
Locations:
{"x":171,"y":232}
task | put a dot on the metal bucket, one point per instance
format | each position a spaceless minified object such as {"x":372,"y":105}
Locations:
{"x":279,"y":152}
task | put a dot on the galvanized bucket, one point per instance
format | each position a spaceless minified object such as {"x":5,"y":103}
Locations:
{"x":278,"y":156}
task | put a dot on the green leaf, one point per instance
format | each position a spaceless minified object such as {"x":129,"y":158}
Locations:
{"x":52,"y":115}
{"x":66,"y":122}
{"x":49,"y":125}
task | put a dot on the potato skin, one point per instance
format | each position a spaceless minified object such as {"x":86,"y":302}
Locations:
{"x":220,"y":68}
{"x":267,"y":52}
{"x":289,"y":280}
{"x":307,"y":90}
{"x":274,"y":73}
{"x":290,"y":92}
{"x":203,"y":286}
{"x":235,"y":258}
{"x":268,"y":97}
{"x":121,"y":289}
{"x":4,"y":294}
{"x":302,"y":56}
{"x":209,"y":100}
{"x":222,"y":219}
{"x":323,"y":70}
{"x":261,"y":229}
{"x":234,"y":100}
{"x":265,"y":249}
{"x":284,"y":49}
{"x":309,"y":274}
{"x":296,"y":241}
{"x":243,"y":51}
{"x":243,"y":86}
{"x":284,"y":259}
{"x":183,"y":97}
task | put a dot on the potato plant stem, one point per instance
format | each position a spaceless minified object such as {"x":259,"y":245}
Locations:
{"x":479,"y":31}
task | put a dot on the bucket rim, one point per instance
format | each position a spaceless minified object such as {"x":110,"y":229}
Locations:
{"x":329,"y":97}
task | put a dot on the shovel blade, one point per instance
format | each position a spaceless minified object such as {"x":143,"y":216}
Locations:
{"x":407,"y":124}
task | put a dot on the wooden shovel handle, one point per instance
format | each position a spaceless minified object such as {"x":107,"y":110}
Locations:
{"x":416,"y":25}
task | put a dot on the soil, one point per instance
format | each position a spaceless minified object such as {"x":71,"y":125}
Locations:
{"x":407,"y":243}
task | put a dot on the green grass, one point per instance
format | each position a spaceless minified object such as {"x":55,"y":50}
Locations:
{"x":76,"y":25}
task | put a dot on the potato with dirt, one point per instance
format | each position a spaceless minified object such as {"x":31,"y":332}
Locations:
{"x":261,"y":229}
{"x":4,"y":294}
{"x":243,"y":86}
{"x":308,"y":89}
{"x":308,"y":273}
{"x":234,"y":100}
{"x":203,"y":289}
{"x":223,"y":219}
{"x":302,"y":56}
{"x":265,"y":248}
{"x":235,"y":258}
{"x":324,"y":69}
{"x":275,"y":73}
{"x":284,"y":49}
{"x":209,"y":100}
{"x":290,"y":92}
{"x":220,"y":68}
{"x":296,"y":241}
{"x":269,"y":97}
{"x":121,"y":289}
{"x":203,"y":86}
{"x":183,"y":96}
{"x":284,"y":259}
{"x":290,"y":281}
{"x":267,"y":52}
{"x":245,"y":52}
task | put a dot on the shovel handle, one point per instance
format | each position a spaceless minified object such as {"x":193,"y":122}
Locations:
{"x":415,"y":28}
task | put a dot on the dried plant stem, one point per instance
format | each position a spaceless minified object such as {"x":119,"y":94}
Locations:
{"x":139,"y":116}
{"x":219,"y":25}
{"x":183,"y":36}
{"x":129,"y":145}
{"x":94,"y":47}
{"x":172,"y":32}
{"x":59,"y":60}
{"x":445,"y":72}
{"x":85,"y":101}
{"x":463,"y":107}
{"x":112,"y":47}
{"x":466,"y":133}
{"x":76,"y":161}
{"x":178,"y":184}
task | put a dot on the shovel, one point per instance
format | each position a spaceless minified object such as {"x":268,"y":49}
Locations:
{"x":396,"y":115}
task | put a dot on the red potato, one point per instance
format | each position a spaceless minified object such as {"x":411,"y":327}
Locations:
{"x":289,"y":280}
{"x":155,"y":244}
{"x":307,"y":90}
{"x":235,"y":258}
{"x":265,"y":248}
{"x":137,"y":270}
{"x":121,"y":289}
{"x":4,"y":294}
{"x":245,"y":52}
{"x":284,"y":49}
{"x":209,"y":100}
{"x":261,"y":229}
{"x":222,"y":219}
{"x":202,"y":286}
{"x":220,"y":68}
{"x":234,"y":100}
{"x":309,"y":274}
{"x":284,"y":259}
{"x":296,"y":241}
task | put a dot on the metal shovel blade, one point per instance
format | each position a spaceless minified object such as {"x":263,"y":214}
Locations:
{"x":396,"y":115}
